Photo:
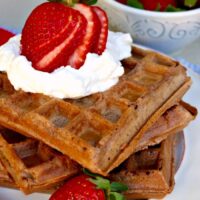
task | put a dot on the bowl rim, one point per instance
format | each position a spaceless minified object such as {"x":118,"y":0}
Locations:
{"x":151,"y":13}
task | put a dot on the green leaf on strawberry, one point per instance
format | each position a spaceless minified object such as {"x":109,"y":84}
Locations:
{"x":101,"y":183}
{"x":171,"y":8}
{"x":118,"y":187}
{"x":88,"y":2}
{"x":116,"y":196}
{"x":73,"y":2}
{"x":66,"y":2}
{"x":190,"y":3}
{"x":112,"y":189}
{"x":135,"y":4}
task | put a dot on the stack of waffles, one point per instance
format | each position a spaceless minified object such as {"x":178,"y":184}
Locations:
{"x":131,"y":133}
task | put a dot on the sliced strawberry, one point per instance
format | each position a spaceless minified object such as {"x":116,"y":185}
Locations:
{"x":51,"y":34}
{"x":77,"y":59}
{"x":97,"y":32}
{"x":5,"y":36}
{"x":100,"y":43}
{"x":59,"y":55}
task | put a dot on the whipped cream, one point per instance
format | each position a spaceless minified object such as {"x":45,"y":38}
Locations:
{"x":98,"y":73}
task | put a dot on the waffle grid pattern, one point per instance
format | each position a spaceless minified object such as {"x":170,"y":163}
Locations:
{"x":33,"y":165}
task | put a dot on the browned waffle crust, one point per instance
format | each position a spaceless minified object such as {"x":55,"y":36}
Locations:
{"x":150,"y":173}
{"x":5,"y":179}
{"x":17,"y":150}
{"x":33,"y":165}
{"x":172,"y":121}
{"x":102,"y":130}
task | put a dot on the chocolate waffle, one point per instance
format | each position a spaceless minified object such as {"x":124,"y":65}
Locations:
{"x":102,"y":130}
{"x":33,"y":165}
{"x":150,"y":173}
{"x":12,"y":144}
{"x":172,"y":121}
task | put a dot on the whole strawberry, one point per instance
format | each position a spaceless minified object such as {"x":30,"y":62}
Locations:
{"x":78,"y":188}
{"x":5,"y":36}
{"x":83,"y":187}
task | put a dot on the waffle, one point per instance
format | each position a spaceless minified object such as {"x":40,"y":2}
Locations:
{"x":33,"y":165}
{"x":150,"y":173}
{"x":5,"y":179}
{"x":102,"y":130}
{"x":140,"y":167}
{"x":11,"y":143}
{"x":172,"y":121}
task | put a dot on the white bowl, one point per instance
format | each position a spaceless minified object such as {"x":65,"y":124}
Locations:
{"x":164,"y":31}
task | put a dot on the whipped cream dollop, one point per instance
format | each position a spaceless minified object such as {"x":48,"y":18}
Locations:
{"x":98,"y":73}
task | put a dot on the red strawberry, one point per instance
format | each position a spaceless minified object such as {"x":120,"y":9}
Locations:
{"x":77,"y":59}
{"x":51,"y":34}
{"x":96,"y":33}
{"x":5,"y":36}
{"x":79,"y":188}
{"x":122,"y":1}
{"x":155,"y":4}
{"x":100,"y":42}
{"x":84,"y":187}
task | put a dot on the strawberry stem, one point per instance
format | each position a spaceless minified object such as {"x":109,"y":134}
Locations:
{"x":73,"y":2}
{"x":65,"y":2}
{"x":112,"y":189}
